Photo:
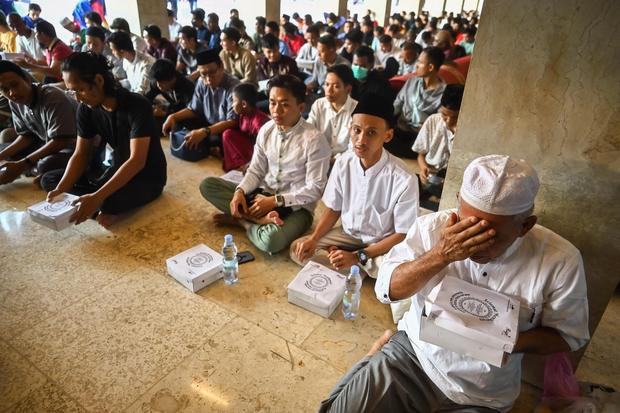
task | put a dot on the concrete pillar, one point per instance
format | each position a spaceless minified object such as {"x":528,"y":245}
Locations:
{"x":272,"y":10}
{"x":342,"y":8}
{"x":553,"y":99}
{"x":139,"y":13}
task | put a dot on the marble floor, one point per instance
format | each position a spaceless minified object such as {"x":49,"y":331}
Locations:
{"x":91,"y":322}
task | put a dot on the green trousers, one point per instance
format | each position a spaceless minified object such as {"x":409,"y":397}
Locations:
{"x":270,"y":238}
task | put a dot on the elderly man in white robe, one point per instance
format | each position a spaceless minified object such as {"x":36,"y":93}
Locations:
{"x":491,"y":241}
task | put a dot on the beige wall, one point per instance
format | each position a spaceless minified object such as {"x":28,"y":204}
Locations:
{"x":139,"y":13}
{"x":544,"y":86}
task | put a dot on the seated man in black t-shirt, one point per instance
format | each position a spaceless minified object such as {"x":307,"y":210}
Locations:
{"x":176,"y":89}
{"x":125,"y":122}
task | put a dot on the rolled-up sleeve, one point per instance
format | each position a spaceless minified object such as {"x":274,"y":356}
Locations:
{"x":407,"y":250}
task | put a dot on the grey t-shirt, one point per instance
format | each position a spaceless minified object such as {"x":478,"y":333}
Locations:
{"x":50,"y":115}
{"x":189,"y":59}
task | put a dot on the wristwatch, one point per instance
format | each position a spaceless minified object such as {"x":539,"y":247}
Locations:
{"x":280,"y":201}
{"x":362,"y":257}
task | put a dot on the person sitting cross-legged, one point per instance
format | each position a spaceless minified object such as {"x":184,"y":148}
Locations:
{"x":434,"y":145}
{"x":43,"y":125}
{"x":121,"y":119}
{"x":286,"y":176}
{"x":137,"y":65}
{"x":238,"y":143}
{"x":491,"y":241}
{"x":210,"y":112}
{"x":332,"y":114}
{"x":370,"y":191}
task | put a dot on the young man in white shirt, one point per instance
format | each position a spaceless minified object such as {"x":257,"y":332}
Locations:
{"x":26,"y":41}
{"x":387,"y":50}
{"x":434,"y":144}
{"x":137,"y":65}
{"x":491,"y":241}
{"x":332,"y":113}
{"x":370,"y":191}
{"x":286,"y":176}
{"x":308,"y":53}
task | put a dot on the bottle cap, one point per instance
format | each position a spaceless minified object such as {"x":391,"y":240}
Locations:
{"x":228,"y":238}
{"x":355,"y":269}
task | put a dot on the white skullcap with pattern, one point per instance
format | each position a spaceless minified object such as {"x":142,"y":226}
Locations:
{"x":499,"y":185}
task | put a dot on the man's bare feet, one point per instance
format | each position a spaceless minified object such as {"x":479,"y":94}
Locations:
{"x":225,"y":219}
{"x":243,"y":168}
{"x":385,"y":337}
{"x":107,"y":220}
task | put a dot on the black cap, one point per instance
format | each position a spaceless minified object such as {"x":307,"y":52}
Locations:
{"x":208,"y":56}
{"x":376,"y":106}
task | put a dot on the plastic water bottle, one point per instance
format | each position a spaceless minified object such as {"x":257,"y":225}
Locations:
{"x":351,"y":298}
{"x":230,"y":263}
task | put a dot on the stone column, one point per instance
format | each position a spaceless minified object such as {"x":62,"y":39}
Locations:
{"x":548,"y":91}
{"x":139,"y":13}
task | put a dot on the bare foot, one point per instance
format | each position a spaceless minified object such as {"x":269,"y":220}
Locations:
{"x":225,"y":219}
{"x":381,"y":341}
{"x":243,"y":168}
{"x":107,"y":220}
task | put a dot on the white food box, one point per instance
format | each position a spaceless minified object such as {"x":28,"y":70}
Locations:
{"x":233,"y":176}
{"x":196,"y":267}
{"x":12,"y":56}
{"x":56,"y":214}
{"x":317,"y":288}
{"x":470,"y":320}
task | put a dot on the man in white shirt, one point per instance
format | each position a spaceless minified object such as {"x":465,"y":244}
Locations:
{"x":121,"y":25}
{"x":137,"y":65}
{"x":491,"y":241}
{"x":434,"y":144}
{"x":26,"y":41}
{"x":387,"y":50}
{"x":286,"y":176}
{"x":173,"y":27}
{"x":408,"y":56}
{"x":370,"y":191}
{"x":332,"y":113}
{"x":308,"y":53}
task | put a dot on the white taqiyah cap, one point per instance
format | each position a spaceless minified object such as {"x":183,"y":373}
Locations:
{"x":499,"y":185}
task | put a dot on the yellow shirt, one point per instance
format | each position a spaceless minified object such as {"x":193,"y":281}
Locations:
{"x":7,"y":42}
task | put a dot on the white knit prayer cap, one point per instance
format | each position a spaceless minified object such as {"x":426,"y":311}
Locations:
{"x":499,"y":185}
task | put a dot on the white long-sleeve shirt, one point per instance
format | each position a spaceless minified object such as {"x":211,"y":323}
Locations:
{"x":334,"y":125}
{"x":541,"y":269}
{"x":293,"y":164}
{"x":138,"y":72}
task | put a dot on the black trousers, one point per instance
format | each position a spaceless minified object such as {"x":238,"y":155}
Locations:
{"x":136,"y":193}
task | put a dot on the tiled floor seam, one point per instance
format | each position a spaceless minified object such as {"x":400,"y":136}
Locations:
{"x":48,"y":378}
{"x":183,"y":360}
{"x":43,"y":320}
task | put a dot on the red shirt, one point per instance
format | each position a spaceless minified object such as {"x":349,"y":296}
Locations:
{"x":295,"y":43}
{"x":58,"y":51}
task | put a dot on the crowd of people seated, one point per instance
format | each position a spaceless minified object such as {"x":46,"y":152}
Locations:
{"x":307,"y":111}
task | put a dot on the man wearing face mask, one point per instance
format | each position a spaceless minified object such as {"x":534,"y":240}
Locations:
{"x":372,"y":80}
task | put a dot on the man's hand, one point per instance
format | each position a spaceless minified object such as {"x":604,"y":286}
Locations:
{"x":341,"y":259}
{"x":462,"y":239}
{"x":305,"y":249}
{"x":10,"y":171}
{"x":262,"y":205}
{"x":424,"y":172}
{"x":87,"y":206}
{"x":238,"y":206}
{"x":158,"y":112}
{"x":193,"y":138}
{"x":168,"y":125}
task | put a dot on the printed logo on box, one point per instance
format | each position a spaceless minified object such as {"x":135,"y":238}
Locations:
{"x":483,"y":309}
{"x":57,"y":206}
{"x":318,"y":282}
{"x":199,"y":260}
